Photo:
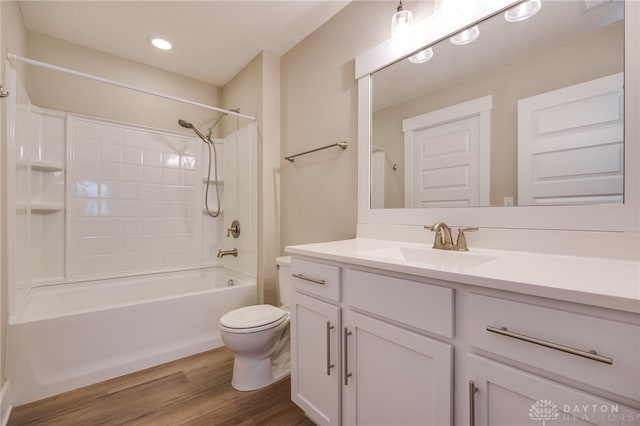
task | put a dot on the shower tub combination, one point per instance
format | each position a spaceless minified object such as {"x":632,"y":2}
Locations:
{"x":68,"y":336}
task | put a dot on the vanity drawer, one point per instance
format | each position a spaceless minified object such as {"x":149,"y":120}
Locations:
{"x":560,"y":342}
{"x":423,"y":306}
{"x":316,"y":278}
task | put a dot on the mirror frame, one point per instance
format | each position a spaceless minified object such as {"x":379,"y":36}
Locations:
{"x":606,"y":217}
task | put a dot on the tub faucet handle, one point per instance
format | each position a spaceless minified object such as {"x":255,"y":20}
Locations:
{"x":234,"y":230}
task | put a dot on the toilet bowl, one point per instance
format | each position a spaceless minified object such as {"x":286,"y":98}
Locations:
{"x":258,"y":335}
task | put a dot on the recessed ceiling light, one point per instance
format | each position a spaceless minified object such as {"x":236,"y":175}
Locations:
{"x":160,"y":43}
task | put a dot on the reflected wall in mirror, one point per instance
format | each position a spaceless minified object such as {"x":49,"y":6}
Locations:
{"x":529,"y":113}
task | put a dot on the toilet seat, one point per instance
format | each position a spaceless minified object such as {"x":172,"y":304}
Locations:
{"x":251,"y":319}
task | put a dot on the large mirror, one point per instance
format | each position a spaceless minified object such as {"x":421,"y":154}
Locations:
{"x":528,"y":113}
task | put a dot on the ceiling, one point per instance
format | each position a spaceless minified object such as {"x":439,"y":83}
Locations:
{"x":212,"y":40}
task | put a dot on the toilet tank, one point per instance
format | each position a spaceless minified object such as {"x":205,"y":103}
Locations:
{"x":284,"y":280}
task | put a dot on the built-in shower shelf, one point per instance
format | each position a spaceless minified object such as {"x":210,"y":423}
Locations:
{"x":44,"y":208}
{"x":212,"y":210}
{"x":46,"y":166}
{"x":212,"y":180}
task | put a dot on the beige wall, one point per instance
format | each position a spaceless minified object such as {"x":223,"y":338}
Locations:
{"x":269,"y":207}
{"x":564,"y":66}
{"x":55,"y":90}
{"x":319,"y":107}
{"x":255,"y":90}
{"x":13,"y":38}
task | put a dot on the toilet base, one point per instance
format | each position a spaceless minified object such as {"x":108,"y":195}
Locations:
{"x":250,"y":373}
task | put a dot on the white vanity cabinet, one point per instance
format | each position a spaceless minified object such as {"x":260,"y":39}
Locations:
{"x":500,"y":395}
{"x":372,"y":346}
{"x":393,"y":376}
{"x":394,"y":373}
{"x":315,"y":354}
{"x":566,"y":353}
{"x":315,"y":341}
{"x":377,"y":366}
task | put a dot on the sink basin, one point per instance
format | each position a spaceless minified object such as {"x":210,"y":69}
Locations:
{"x":439,"y":259}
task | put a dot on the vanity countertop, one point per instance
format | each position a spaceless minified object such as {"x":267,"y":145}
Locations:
{"x":607,"y":283}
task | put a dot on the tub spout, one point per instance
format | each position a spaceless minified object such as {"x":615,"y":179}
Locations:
{"x":223,"y":253}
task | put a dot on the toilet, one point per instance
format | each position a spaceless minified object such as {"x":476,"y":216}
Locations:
{"x":258,"y":335}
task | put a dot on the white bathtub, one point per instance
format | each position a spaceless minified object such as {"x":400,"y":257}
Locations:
{"x":73,"y":335}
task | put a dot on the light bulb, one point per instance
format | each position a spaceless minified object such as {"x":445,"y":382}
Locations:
{"x":422,"y":56}
{"x":401,"y":21}
{"x":465,"y":36}
{"x":524,"y":10}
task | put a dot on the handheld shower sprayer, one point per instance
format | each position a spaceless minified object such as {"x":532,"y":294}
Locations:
{"x":188,"y":125}
{"x":207,"y":140}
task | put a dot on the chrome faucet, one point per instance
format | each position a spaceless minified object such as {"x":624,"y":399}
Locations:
{"x":223,"y":253}
{"x":443,"y":239}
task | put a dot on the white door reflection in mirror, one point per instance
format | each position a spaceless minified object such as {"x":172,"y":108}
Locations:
{"x":447,"y":156}
{"x":570,"y":144}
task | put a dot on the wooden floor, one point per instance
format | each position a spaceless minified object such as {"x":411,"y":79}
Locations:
{"x":191,"y":391}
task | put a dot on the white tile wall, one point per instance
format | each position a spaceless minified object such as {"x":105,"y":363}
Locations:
{"x":134,"y":208}
{"x":133,"y":201}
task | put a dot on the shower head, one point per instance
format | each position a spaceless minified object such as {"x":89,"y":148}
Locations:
{"x":188,"y":125}
{"x":185,"y":124}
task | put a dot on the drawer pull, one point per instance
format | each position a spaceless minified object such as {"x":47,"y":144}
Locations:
{"x":472,"y":403}
{"x":313,"y":280}
{"x":347,"y":333}
{"x":329,"y":365}
{"x":593,"y":355}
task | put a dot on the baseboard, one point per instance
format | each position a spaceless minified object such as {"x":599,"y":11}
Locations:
{"x":5,"y":404}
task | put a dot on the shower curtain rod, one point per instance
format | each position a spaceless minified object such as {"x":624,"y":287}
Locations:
{"x":13,"y":57}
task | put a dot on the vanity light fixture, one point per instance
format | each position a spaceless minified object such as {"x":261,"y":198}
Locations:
{"x":401,"y":21}
{"x":465,"y":36}
{"x":160,"y":43}
{"x":422,"y":56}
{"x":524,"y":10}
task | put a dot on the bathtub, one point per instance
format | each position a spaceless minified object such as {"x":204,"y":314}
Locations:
{"x":69,"y":336}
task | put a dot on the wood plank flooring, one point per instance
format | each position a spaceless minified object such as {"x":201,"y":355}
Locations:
{"x":191,"y":391}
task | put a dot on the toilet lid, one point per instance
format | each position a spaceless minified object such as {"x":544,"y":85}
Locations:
{"x":252,"y":316}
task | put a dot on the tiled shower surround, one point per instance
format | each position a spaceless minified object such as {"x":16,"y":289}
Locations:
{"x":135,"y":201}
{"x":92,"y":199}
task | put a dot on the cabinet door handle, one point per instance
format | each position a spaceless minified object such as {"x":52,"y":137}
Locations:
{"x":472,"y":403}
{"x":329,"y":365}
{"x":313,"y":280}
{"x":593,"y":355}
{"x":347,"y":333}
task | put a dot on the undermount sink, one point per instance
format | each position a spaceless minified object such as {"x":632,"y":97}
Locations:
{"x":440,"y":259}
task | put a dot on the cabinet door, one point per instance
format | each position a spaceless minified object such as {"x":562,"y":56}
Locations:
{"x":393,"y":376}
{"x":506,"y":396}
{"x":315,"y":358}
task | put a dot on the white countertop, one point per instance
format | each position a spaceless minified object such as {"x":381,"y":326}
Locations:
{"x":607,"y":283}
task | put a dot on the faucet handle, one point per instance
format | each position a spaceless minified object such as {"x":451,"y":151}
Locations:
{"x":461,"y":243}
{"x":468,"y":229}
{"x":234,"y":231}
